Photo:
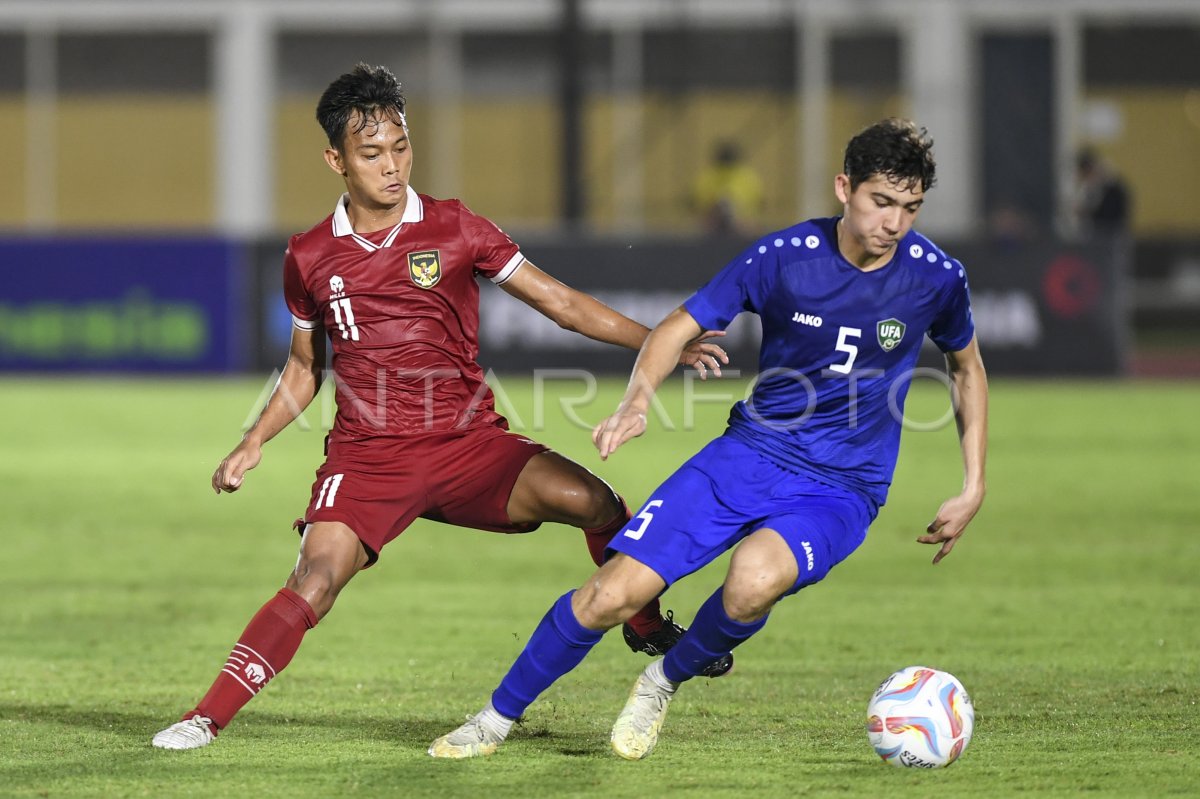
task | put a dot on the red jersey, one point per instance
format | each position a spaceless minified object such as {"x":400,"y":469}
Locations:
{"x":401,"y":308}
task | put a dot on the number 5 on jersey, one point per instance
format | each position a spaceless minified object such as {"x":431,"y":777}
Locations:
{"x":845,"y":346}
{"x":645,"y":517}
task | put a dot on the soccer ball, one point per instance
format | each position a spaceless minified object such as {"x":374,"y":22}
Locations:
{"x":920,"y":718}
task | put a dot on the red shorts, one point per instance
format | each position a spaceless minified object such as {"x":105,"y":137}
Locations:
{"x":463,"y":477}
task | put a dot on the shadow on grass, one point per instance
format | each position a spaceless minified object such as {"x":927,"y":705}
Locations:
{"x":137,"y":727}
{"x":66,"y":750}
{"x":69,"y":751}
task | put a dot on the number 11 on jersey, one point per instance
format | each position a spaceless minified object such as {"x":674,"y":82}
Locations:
{"x":344,"y":316}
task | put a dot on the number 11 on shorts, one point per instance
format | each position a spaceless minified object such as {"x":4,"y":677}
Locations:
{"x":645,"y":517}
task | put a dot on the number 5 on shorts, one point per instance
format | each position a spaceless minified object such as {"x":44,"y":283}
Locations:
{"x":645,"y":517}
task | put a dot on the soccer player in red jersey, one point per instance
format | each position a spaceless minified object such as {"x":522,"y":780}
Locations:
{"x":389,"y":277}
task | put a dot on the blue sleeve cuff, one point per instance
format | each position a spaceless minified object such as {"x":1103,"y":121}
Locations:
{"x":702,"y":312}
{"x":956,"y":344}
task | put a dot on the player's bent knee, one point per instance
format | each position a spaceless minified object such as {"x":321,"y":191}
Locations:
{"x":599,"y":608}
{"x":330,"y":555}
{"x":748,"y":606}
{"x":615,"y":592}
{"x":318,"y":584}
{"x":762,"y":570}
{"x":554,"y":489}
{"x":604,"y":505}
{"x":589,"y":501}
{"x":750,"y":593}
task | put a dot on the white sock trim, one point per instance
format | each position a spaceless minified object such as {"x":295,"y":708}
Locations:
{"x":495,"y":721}
{"x":659,"y":677}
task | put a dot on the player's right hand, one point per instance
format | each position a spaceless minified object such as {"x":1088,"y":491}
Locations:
{"x":228,"y":476}
{"x":616,"y":430}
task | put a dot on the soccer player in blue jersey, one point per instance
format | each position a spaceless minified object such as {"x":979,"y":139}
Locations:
{"x":805,"y":464}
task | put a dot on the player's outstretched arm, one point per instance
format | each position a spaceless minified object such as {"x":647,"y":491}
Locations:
{"x":582,"y":313}
{"x":299,"y":383}
{"x":970,"y":385}
{"x":655,"y":363}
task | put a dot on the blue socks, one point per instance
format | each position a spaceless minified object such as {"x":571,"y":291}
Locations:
{"x":711,"y":636}
{"x":558,"y":645}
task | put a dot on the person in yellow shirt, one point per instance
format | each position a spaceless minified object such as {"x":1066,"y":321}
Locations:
{"x":728,"y":193}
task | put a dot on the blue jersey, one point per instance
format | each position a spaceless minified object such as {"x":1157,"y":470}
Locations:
{"x":839,"y":347}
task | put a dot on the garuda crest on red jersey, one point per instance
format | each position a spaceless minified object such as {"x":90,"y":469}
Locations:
{"x":425,"y":268}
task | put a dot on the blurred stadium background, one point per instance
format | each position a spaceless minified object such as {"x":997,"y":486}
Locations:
{"x":157,"y":154}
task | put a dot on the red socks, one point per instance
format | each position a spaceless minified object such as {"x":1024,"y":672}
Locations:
{"x":597,"y":538}
{"x":264,"y":649}
{"x":272,"y":637}
{"x":647,"y":620}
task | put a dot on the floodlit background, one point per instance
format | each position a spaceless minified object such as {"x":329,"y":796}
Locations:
{"x":589,"y":131}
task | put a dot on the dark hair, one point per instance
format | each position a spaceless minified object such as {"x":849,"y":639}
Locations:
{"x":366,"y":91}
{"x":894,"y":148}
{"x":727,"y":152}
{"x":1086,"y":160}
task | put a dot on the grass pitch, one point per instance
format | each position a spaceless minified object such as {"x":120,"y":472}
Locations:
{"x":1068,"y":610}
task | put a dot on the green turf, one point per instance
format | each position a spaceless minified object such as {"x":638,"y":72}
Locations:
{"x":1069,"y":612}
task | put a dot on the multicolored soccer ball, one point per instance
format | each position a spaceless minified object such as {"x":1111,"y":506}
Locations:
{"x":920,"y":718}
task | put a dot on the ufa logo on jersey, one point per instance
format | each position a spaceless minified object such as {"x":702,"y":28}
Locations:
{"x":425,"y":268}
{"x":890,"y":332}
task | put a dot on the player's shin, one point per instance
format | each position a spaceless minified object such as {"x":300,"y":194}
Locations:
{"x":265,"y":647}
{"x":712,"y":636}
{"x":558,"y":645}
{"x":648,"y":620}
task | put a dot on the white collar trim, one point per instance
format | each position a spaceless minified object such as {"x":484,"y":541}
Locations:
{"x":414,"y":211}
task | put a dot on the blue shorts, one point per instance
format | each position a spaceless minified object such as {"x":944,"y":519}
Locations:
{"x":726,"y":492}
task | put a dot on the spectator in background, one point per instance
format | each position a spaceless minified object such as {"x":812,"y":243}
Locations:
{"x":728,"y":193}
{"x":1009,"y":225}
{"x":1102,"y":204}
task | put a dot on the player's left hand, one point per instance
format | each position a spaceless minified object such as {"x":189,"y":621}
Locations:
{"x":616,"y":430}
{"x":703,"y":355}
{"x":951,"y":521}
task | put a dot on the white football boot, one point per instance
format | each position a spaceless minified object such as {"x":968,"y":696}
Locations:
{"x":190,"y":733}
{"x":479,"y":736}
{"x":636,"y":730}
